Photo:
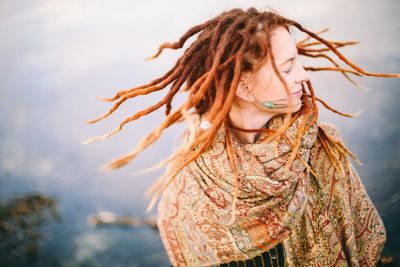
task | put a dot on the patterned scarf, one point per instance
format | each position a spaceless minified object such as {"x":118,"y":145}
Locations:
{"x":324,"y":221}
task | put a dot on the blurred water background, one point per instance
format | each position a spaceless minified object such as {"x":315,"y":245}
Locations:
{"x":56,"y":56}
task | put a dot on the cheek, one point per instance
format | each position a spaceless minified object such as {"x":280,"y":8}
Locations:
{"x":269,"y":87}
{"x":289,"y":78}
{"x":276,"y":89}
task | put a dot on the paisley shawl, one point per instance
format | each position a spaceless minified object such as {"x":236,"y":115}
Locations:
{"x":322,"y":220}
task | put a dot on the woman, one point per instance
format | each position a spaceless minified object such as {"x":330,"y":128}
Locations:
{"x":258,"y":181}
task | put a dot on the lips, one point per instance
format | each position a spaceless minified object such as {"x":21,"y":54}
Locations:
{"x":298,"y":93}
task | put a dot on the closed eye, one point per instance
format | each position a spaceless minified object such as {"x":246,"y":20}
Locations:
{"x":288,"y":71}
{"x":291,"y":64}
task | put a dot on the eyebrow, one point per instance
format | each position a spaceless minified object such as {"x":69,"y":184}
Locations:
{"x":290,"y":59}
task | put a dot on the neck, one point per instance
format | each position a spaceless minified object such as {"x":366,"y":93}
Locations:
{"x":248,"y":117}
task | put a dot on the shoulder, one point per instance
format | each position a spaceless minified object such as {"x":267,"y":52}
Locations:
{"x":331,"y":130}
{"x":327,"y":133}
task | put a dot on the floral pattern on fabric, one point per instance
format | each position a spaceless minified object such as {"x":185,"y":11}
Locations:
{"x":324,"y":221}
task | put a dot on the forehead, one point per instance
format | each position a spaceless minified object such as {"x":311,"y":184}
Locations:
{"x":283,"y":44}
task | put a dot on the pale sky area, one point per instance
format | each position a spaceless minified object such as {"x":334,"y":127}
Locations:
{"x":57,"y":56}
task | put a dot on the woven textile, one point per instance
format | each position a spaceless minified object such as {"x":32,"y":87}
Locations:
{"x":322,"y":220}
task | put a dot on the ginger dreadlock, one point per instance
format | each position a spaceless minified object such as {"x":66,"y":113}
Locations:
{"x":232,"y":43}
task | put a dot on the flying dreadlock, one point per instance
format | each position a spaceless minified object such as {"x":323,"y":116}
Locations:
{"x":234,"y":42}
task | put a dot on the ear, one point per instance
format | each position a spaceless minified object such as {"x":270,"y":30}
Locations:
{"x":244,"y":91}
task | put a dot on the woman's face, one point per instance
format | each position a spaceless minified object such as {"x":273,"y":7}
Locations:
{"x":265,"y":84}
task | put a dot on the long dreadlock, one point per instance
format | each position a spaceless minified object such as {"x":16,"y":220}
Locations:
{"x":232,"y":43}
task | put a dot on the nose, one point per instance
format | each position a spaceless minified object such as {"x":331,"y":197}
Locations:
{"x":302,"y":74}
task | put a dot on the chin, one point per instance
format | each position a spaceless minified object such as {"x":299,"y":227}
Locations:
{"x":296,"y":107}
